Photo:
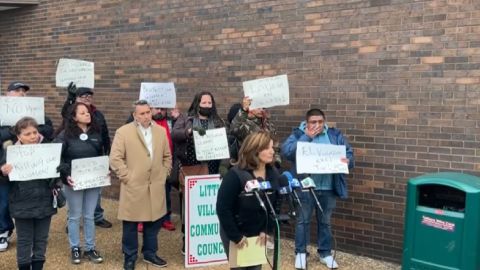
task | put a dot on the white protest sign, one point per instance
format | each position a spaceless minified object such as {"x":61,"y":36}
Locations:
{"x":203,"y":245}
{"x":78,"y":71}
{"x":267,"y":92}
{"x":90,"y":172}
{"x":34,"y":161}
{"x":159,"y":95}
{"x":320,"y":158}
{"x":211,"y":146}
{"x":13,"y":109}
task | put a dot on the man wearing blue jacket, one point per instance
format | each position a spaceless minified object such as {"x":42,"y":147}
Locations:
{"x":328,"y":187}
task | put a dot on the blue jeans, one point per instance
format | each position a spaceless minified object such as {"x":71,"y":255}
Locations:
{"x":98,"y":209}
{"x":130,"y":239}
{"x":6,"y":222}
{"x":327,"y":200}
{"x":81,"y":203}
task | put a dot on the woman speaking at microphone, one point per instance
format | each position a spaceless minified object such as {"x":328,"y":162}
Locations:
{"x":240,"y":214}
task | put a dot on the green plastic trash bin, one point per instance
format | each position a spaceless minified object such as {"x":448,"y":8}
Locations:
{"x":442,"y":223}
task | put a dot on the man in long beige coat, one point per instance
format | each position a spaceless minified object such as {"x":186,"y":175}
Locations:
{"x":141,"y":159}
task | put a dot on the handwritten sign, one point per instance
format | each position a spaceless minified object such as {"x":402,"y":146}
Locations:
{"x":159,"y":95}
{"x":34,"y":161}
{"x":211,"y":146}
{"x":267,"y":92}
{"x":90,"y":172}
{"x":320,"y":158}
{"x":78,"y":71}
{"x":203,"y":245}
{"x":13,"y":109}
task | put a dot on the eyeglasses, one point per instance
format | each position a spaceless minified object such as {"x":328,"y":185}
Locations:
{"x":88,"y":96}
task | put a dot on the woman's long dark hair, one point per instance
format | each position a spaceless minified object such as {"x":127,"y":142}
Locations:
{"x":193,"y":110}
{"x":71,"y":128}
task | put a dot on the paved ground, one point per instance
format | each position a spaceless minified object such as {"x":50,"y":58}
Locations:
{"x":109,"y":244}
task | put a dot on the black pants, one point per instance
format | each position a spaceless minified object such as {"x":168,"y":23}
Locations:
{"x":32,"y":238}
{"x":130,"y":239}
{"x":226,"y":247}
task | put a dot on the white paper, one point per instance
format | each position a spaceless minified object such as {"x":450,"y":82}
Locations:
{"x":211,"y":146}
{"x":319,"y":158}
{"x":90,"y":172}
{"x":78,"y":71}
{"x":34,"y":161}
{"x":267,"y":92}
{"x":159,"y":95}
{"x":13,"y":109}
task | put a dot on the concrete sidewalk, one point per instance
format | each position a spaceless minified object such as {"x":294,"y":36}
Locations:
{"x":109,"y":244}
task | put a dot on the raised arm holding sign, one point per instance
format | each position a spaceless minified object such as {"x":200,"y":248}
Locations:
{"x":267,"y":92}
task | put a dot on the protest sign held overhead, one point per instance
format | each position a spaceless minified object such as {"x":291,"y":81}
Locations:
{"x":77,"y":71}
{"x":159,"y":95}
{"x":267,"y":92}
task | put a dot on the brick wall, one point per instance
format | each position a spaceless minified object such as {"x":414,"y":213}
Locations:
{"x":399,"y":77}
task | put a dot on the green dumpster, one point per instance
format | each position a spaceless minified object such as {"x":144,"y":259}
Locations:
{"x":442,"y":223}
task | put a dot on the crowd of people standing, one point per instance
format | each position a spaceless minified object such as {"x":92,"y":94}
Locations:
{"x":153,"y":152}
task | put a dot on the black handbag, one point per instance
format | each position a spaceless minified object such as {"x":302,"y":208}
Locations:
{"x":59,"y":199}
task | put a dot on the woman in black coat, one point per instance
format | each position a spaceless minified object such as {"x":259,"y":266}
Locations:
{"x":31,"y":204}
{"x":239,"y":213}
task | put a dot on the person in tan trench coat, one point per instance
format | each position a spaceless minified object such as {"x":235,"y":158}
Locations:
{"x":141,"y":159}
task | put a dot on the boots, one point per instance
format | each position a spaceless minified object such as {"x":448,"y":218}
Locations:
{"x":37,"y":265}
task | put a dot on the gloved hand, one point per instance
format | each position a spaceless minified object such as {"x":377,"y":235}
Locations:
{"x":201,"y":131}
{"x":72,"y":90}
{"x":65,"y":171}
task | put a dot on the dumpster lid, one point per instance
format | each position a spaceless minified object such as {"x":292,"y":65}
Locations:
{"x":466,"y":182}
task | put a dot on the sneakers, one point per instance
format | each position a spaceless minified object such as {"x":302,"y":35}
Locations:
{"x":301,"y":261}
{"x":155,"y":261}
{"x":76,"y":255}
{"x":140,"y":227}
{"x":168,"y":225}
{"x":4,"y":237}
{"x":329,"y":261}
{"x":93,"y":256}
{"x":103,"y":223}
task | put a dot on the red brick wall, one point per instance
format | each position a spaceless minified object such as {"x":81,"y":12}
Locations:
{"x":399,"y":77}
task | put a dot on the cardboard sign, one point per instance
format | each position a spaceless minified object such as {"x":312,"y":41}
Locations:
{"x":319,"y":158}
{"x":203,"y":245}
{"x":267,"y":92}
{"x":211,"y":146}
{"x":90,"y":172}
{"x":13,"y":109}
{"x":34,"y":161}
{"x":159,"y":95}
{"x":78,"y":71}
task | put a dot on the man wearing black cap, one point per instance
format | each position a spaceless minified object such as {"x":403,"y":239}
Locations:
{"x":85,"y":95}
{"x":15,"y":89}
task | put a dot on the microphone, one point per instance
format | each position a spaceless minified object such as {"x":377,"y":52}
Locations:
{"x":266,"y":187}
{"x":253,"y":186}
{"x":309,"y":184}
{"x":286,"y":189}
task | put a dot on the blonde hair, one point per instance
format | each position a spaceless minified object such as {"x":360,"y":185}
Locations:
{"x":251,"y":146}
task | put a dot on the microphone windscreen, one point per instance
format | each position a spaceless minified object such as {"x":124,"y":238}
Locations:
{"x":283,"y":181}
{"x":288,"y":175}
